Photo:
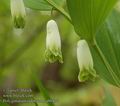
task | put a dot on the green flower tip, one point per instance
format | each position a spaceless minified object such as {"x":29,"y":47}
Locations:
{"x":53,"y":56}
{"x":86,"y":75}
{"x":19,"y":22}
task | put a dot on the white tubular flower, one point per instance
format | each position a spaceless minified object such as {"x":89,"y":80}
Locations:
{"x":85,"y":62}
{"x":18,"y":13}
{"x":53,"y":43}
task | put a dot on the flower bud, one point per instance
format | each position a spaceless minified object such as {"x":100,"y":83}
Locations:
{"x":18,"y":13}
{"x":53,"y":43}
{"x":85,"y":62}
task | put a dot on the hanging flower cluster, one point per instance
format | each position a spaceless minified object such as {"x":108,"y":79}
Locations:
{"x":84,"y":57}
{"x":53,"y":43}
{"x":18,"y":13}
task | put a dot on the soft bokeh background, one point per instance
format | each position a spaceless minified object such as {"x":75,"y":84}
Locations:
{"x":22,"y":54}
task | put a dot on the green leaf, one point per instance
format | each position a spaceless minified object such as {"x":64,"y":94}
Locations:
{"x":41,"y":4}
{"x":108,"y":39}
{"x":108,"y":100}
{"x":88,"y":15}
{"x":3,"y":104}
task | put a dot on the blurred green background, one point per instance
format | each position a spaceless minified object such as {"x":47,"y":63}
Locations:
{"x":22,"y":54}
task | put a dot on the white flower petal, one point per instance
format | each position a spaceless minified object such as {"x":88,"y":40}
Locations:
{"x":83,"y":55}
{"x":53,"y":35}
